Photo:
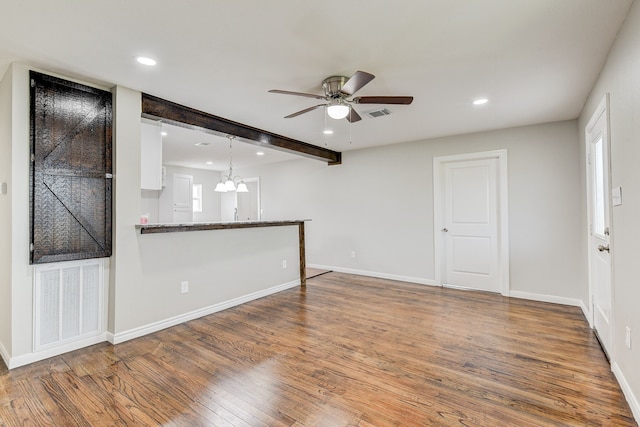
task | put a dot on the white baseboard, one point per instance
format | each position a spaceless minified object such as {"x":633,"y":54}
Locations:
{"x":176,"y":320}
{"x":587,"y":313}
{"x":378,"y":275}
{"x":4,"y":354}
{"x":632,"y":399}
{"x":514,"y":294}
{"x":548,"y":298}
{"x":25,"y":359}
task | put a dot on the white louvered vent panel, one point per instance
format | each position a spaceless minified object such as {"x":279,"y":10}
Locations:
{"x":68,"y":303}
{"x":49,"y":305}
{"x":90,"y":294}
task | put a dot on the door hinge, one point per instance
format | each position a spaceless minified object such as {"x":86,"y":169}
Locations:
{"x":31,"y":247}
{"x":33,"y":83}
{"x":33,"y":157}
{"x":108,"y":175}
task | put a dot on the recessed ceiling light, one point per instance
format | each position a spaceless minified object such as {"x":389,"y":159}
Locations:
{"x":260,"y":153}
{"x":201,"y":144}
{"x":163,"y":133}
{"x":209,"y":162}
{"x":146,"y":61}
{"x":480,"y":101}
{"x":327,"y":132}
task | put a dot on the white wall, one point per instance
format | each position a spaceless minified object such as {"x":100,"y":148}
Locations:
{"x":21,"y":276}
{"x":146,"y":270}
{"x":17,"y":273}
{"x":5,"y":214}
{"x":620,"y":78}
{"x":379,"y":203}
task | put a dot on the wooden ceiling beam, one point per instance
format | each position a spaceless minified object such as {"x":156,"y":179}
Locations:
{"x":180,"y":115}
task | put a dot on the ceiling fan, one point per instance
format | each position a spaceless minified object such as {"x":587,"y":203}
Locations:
{"x":338,"y":90}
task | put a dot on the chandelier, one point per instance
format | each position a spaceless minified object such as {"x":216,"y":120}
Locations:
{"x":228,"y":182}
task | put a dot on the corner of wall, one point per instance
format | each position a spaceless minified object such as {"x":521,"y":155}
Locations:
{"x":6,"y":95}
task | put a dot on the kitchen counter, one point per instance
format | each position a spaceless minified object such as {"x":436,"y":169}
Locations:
{"x":230,"y":225}
{"x":219,"y":225}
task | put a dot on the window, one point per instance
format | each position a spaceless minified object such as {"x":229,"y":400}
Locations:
{"x":598,"y":187}
{"x":197,"y":197}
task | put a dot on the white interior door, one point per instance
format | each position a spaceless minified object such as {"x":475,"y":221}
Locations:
{"x":182,"y":198}
{"x":248,"y":204}
{"x":471,"y":233}
{"x":599,"y":224}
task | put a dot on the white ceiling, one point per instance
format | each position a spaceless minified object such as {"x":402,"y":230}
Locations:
{"x":535,"y":60}
{"x":213,"y":152}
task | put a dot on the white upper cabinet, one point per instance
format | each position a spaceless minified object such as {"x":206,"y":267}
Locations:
{"x":151,"y":156}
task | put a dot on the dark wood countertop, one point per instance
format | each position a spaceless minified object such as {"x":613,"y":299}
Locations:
{"x":221,"y":225}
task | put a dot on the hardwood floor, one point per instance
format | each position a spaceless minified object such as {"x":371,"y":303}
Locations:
{"x":346,"y":351}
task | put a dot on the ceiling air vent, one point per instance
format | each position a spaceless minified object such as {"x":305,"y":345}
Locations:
{"x":377,"y":113}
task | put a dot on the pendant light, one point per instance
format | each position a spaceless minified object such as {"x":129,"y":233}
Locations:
{"x":228,"y":182}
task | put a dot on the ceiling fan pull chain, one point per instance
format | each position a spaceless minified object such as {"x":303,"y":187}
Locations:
{"x":324,"y":132}
{"x":350,"y":123}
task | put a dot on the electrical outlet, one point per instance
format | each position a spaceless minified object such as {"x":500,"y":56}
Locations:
{"x":284,"y":263}
{"x":184,"y":287}
{"x":353,"y":254}
{"x":627,"y":339}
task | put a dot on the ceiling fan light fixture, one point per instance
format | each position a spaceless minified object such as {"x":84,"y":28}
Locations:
{"x":338,"y":110}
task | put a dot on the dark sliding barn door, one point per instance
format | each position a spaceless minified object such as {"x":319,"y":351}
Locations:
{"x":70,"y":170}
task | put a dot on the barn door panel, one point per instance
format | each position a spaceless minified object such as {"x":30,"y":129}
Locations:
{"x":70,"y":170}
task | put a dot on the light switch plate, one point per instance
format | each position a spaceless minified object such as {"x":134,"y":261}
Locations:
{"x":616,"y":196}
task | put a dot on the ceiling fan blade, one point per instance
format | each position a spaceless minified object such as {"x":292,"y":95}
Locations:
{"x":356,"y":82}
{"x":286,"y":92}
{"x":403,"y":100}
{"x":353,"y":116}
{"x":306,"y":110}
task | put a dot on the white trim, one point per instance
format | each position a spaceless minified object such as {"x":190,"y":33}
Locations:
{"x":28,"y":358}
{"x":548,"y":298}
{"x":420,"y":281}
{"x":503,"y":211}
{"x":176,"y":320}
{"x":632,"y":399}
{"x":586,"y":313}
{"x":5,"y":355}
{"x":410,"y":279}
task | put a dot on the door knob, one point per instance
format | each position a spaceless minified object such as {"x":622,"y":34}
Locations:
{"x":603,"y":248}
{"x":445,"y":229}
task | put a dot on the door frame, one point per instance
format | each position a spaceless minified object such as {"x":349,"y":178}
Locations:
{"x":600,"y":110}
{"x":503,"y":211}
